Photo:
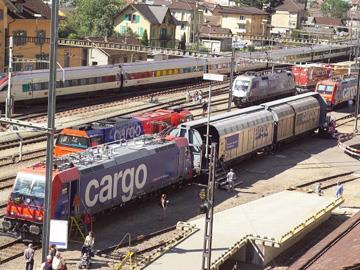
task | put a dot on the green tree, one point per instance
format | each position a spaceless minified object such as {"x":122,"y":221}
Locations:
{"x":183,"y":42}
{"x":68,"y":27}
{"x":334,"y":8}
{"x":259,"y":3}
{"x":145,"y":39}
{"x":96,"y":18}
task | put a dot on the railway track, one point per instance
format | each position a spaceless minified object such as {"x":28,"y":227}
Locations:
{"x":327,"y":182}
{"x":11,"y":250}
{"x":2,"y":210}
{"x":330,"y":244}
{"x":6,"y":183}
{"x":345,"y":119}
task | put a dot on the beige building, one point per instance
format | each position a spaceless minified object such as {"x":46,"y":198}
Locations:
{"x":28,"y":21}
{"x":243,"y":20}
{"x":288,"y":16}
{"x":156,"y":20}
{"x":189,"y":19}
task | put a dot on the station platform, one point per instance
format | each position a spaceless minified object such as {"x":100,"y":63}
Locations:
{"x":254,"y":233}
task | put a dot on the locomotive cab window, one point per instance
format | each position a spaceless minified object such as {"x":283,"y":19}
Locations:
{"x":242,"y":85}
{"x":72,"y":141}
{"x":29,"y":185}
{"x":325,"y":89}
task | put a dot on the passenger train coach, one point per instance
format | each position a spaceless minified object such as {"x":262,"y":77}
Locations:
{"x":30,"y":85}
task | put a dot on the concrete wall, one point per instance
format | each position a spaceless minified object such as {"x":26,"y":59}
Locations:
{"x":271,"y":252}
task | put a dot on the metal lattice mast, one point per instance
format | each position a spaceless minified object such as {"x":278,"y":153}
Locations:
{"x":209,"y":216}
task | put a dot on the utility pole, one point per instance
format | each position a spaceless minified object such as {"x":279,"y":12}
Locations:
{"x":51,"y":128}
{"x":357,"y":99}
{"x":209,"y":208}
{"x":9,"y":99}
{"x":208,"y":123}
{"x":231,"y":76}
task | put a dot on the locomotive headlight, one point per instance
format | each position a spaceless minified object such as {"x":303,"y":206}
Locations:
{"x":39,"y":218}
{"x":12,"y":213}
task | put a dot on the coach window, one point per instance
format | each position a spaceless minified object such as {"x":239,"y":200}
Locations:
{"x":82,"y":81}
{"x":37,"y":86}
{"x":91,"y":80}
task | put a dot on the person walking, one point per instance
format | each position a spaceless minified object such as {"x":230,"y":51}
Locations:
{"x":205,"y":107}
{"x":318,"y":189}
{"x":58,"y":262}
{"x":52,"y":251}
{"x":47,"y":264}
{"x":164,"y":203}
{"x":230,"y":177}
{"x":29,"y":257}
{"x":200,"y":98}
{"x":339,"y":190}
{"x":187,"y":96}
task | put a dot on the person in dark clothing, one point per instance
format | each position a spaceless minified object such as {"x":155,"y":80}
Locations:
{"x":164,"y":203}
{"x":47,"y":265}
{"x":205,"y":107}
{"x":52,"y":251}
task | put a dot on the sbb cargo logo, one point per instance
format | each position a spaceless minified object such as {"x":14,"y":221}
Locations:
{"x":108,"y":188}
{"x":127,"y":133}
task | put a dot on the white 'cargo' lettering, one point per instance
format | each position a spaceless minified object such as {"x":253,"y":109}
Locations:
{"x":140,"y":184}
{"x":117,"y":177}
{"x":127,"y":188}
{"x":93,"y":183}
{"x":105,"y":191}
{"x":108,"y":187}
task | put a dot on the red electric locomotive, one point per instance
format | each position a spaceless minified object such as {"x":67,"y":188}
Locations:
{"x":112,"y":175}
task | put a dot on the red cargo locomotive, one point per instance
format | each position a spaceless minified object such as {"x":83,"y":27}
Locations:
{"x":337,"y":91}
{"x":308,"y":75}
{"x":111,"y":176}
